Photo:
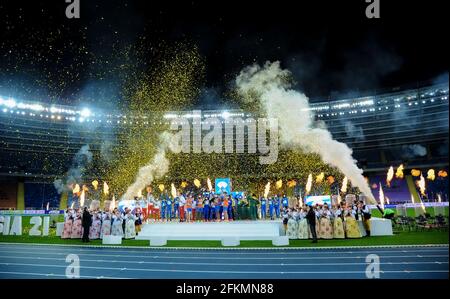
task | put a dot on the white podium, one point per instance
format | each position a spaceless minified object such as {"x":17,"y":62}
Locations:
{"x":378,"y":227}
{"x":59,"y":228}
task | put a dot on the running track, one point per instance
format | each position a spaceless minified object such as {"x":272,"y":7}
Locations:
{"x":49,"y":261}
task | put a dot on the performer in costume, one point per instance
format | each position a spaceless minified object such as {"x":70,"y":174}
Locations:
{"x":130,"y":227}
{"x":338,"y":223}
{"x":303,"y":229}
{"x":351,"y":225}
{"x":139,"y":219}
{"x":95,"y":229}
{"x":317,"y":210}
{"x":263,"y":208}
{"x":116,"y":227}
{"x":77,"y":229}
{"x":363,"y":214}
{"x":106,"y":224}
{"x":292,"y":225}
{"x":325,"y":226}
{"x":68,"y":221}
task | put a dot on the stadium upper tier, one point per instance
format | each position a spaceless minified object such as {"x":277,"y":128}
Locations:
{"x":408,"y":126}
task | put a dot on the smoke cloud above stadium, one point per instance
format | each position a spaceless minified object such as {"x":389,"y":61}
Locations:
{"x":296,"y":123}
{"x":80,"y":162}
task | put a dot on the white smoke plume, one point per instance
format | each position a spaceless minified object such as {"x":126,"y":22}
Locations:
{"x":74,"y":175}
{"x":295,"y":119}
{"x":158,"y":167}
{"x":353,"y":131}
{"x":413,"y":150}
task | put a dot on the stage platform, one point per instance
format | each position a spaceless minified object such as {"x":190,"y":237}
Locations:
{"x":243,"y":230}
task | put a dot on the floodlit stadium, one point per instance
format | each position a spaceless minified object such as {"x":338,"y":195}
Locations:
{"x":407,"y":127}
{"x":210,"y":141}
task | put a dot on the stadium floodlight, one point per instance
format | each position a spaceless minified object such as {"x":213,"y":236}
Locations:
{"x":85,"y":112}
{"x":225,"y":114}
{"x":81,"y":119}
{"x":10,"y":103}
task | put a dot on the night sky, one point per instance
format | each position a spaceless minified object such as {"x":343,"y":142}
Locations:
{"x":329,"y":46}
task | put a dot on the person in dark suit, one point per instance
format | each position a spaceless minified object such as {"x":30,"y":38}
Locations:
{"x":311,"y":217}
{"x":86,"y":222}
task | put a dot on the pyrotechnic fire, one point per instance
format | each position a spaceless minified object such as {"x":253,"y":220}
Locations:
{"x":71,"y":206}
{"x":76,"y":189}
{"x":291,"y":183}
{"x":381,"y":197}
{"x":431,"y":175}
{"x":83,"y":194}
{"x":267,"y":189}
{"x":330,"y":179}
{"x":139,"y":194}
{"x":319,"y":178}
{"x":421,"y":184}
{"x":48,"y":206}
{"x":208,"y":181}
{"x":390,"y":176}
{"x":95,"y":184}
{"x":279,"y":184}
{"x":197,"y":183}
{"x":173,"y":190}
{"x":184,"y":184}
{"x":439,"y":198}
{"x":105,"y":188}
{"x":113,"y":202}
{"x":442,"y":173}
{"x":344,"y":185}
{"x":309,"y":184}
{"x":415,"y":172}
{"x":149,"y":189}
{"x":399,"y":172}
{"x":161,"y":187}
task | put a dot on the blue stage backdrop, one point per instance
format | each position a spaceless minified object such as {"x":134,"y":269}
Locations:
{"x":223,"y":185}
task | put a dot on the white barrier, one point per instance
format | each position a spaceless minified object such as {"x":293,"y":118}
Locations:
{"x":59,"y":228}
{"x":280,"y":241}
{"x":158,"y":241}
{"x":231,"y":241}
{"x":112,"y":240}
